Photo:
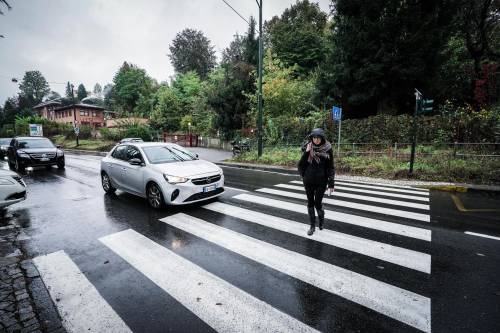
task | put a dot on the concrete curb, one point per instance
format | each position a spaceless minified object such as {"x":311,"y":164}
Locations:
{"x":438,"y":186}
{"x":86,"y":152}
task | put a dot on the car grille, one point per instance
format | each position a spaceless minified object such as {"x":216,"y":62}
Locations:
{"x":39,"y":156}
{"x":204,"y":195}
{"x":15,"y":196}
{"x":19,"y":180}
{"x":206,"y":180}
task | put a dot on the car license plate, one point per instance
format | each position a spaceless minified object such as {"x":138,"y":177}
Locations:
{"x":44,"y":159}
{"x":209,"y":188}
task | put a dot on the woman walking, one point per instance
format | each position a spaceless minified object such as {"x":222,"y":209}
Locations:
{"x":317,"y":170}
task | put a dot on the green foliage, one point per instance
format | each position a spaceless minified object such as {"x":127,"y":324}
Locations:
{"x":130,"y":83}
{"x":297,"y":36}
{"x":168,"y":111}
{"x":81,"y":92}
{"x":192,"y":51}
{"x":34,"y":87}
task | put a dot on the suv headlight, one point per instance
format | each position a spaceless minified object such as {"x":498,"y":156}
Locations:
{"x":60,"y":152}
{"x":23,"y":155}
{"x":175,"y":179}
{"x":6,"y":181}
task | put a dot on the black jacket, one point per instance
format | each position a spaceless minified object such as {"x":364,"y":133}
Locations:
{"x":317,"y":174}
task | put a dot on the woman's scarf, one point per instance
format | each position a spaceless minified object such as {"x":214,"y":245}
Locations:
{"x":315,"y":152}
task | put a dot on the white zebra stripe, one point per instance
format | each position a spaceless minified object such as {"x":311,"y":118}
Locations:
{"x":387,"y":186}
{"x":81,"y":307}
{"x":403,"y":305}
{"x":363,"y":197}
{"x":394,"y":228}
{"x":352,"y":189}
{"x":375,"y":187}
{"x":218,"y":303}
{"x":393,"y":254}
{"x":354,"y":205}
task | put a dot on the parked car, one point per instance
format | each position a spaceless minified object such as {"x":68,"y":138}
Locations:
{"x":4,"y":146}
{"x":34,"y":151}
{"x":125,"y":140}
{"x":164,"y":173}
{"x":12,"y":188}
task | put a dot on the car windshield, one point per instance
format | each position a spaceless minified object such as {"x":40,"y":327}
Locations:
{"x":164,"y":154}
{"x":35,"y":143}
{"x":5,"y":141}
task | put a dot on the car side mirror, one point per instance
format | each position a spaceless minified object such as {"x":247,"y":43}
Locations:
{"x":135,"y":161}
{"x":58,"y":146}
{"x":196,"y":155}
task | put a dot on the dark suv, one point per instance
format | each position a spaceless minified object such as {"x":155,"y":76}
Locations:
{"x":34,"y":151}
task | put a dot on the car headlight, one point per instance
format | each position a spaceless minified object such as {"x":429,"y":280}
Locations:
{"x":175,"y":179}
{"x":60,"y":152}
{"x":6,"y":181}
{"x":23,"y":155}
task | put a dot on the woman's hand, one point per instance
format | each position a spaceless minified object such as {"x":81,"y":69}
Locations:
{"x":330,"y":191}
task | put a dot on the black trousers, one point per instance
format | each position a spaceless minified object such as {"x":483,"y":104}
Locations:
{"x":315,"y":195}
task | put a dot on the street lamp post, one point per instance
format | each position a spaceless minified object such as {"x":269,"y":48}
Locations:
{"x":259,"y":96}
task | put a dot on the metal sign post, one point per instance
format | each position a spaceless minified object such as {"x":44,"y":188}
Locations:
{"x":337,"y":116}
{"x":77,"y":132}
{"x":418,"y":98}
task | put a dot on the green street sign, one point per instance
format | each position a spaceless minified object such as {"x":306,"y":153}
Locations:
{"x":427,"y":105}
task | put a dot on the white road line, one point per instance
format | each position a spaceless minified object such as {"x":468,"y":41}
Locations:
{"x":481,"y":235}
{"x":234,"y":188}
{"x":400,"y":304}
{"x":394,"y":254}
{"x":354,"y":205}
{"x":394,"y":228}
{"x":258,"y":170}
{"x":221,"y":305}
{"x":80,"y":305}
{"x":352,"y":189}
{"x":364,"y":197}
{"x":387,"y":186}
{"x":375,"y":187}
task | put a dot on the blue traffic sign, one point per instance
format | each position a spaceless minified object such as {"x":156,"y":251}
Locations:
{"x":337,"y":113}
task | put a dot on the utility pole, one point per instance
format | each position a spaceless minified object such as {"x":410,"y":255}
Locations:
{"x":75,"y":125}
{"x":259,"y":96}
{"x":418,"y":97}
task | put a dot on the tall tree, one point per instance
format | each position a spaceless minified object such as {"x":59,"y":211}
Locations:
{"x":34,"y":87}
{"x":130,"y":83}
{"x":53,"y":95}
{"x":69,"y":91}
{"x":296,"y":37}
{"x":97,"y":90}
{"x":109,"y":96}
{"x":192,"y":51}
{"x":81,"y":92}
{"x":379,"y":51}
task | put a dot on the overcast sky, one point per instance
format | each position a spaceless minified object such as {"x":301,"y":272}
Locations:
{"x":85,"y":41}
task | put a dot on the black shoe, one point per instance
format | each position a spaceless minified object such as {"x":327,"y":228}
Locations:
{"x":312,"y":220}
{"x":311,"y":231}
{"x":321,"y":218}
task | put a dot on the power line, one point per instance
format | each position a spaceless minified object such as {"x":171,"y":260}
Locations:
{"x":234,"y":10}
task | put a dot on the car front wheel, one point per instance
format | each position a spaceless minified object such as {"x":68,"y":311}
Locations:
{"x":155,"y":197}
{"x":18,"y":166}
{"x":61,"y":164}
{"x":106,"y":183}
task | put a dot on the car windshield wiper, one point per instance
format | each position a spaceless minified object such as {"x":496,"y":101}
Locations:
{"x":180,"y":158}
{"x":184,"y":153}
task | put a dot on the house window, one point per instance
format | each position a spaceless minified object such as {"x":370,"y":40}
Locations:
{"x":82,"y":113}
{"x":94,"y":114}
{"x":70,"y":113}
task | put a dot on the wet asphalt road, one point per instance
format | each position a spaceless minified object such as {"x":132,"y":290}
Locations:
{"x":68,"y":210}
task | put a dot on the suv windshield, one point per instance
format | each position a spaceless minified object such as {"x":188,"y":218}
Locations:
{"x":164,"y":154}
{"x":35,"y":143}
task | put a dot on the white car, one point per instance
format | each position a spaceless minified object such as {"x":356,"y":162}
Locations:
{"x":164,"y":173}
{"x":12,"y":188}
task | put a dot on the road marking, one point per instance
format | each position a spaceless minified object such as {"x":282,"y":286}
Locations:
{"x":354,"y":205}
{"x":218,"y":303}
{"x":80,"y":305}
{"x":387,"y":186}
{"x":394,"y":254}
{"x":352,"y":189}
{"x":460,"y":206}
{"x":394,"y":228}
{"x":234,"y":188}
{"x":374,"y":187}
{"x":363,"y":197}
{"x":481,"y":235}
{"x":400,"y":304}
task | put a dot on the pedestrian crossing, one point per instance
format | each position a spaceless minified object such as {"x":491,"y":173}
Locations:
{"x":227,"y":306}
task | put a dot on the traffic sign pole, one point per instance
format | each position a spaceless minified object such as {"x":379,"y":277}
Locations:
{"x":418,"y":97}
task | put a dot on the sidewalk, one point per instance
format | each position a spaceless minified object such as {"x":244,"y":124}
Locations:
{"x":443,"y":186}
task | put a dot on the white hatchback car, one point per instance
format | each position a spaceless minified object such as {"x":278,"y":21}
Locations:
{"x":164,"y":173}
{"x":12,"y":188}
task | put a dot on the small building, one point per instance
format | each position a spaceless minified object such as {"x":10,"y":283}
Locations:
{"x":81,"y":114}
{"x":46,"y":109}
